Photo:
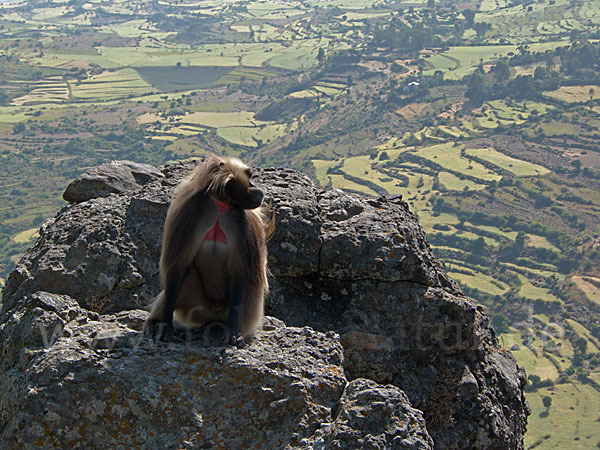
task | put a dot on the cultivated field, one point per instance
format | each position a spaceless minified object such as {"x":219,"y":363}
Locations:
{"x":506,"y":188}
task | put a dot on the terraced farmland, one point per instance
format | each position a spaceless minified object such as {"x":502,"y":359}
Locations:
{"x":110,"y":85}
{"x":379,"y":98}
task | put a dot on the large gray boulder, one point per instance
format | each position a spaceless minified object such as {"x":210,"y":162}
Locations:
{"x":110,"y":178}
{"x":373,"y":345}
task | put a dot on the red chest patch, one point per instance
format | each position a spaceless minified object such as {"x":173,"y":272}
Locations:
{"x":216,"y":233}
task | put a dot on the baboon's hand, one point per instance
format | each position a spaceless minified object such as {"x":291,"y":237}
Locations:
{"x":237,"y":340}
{"x":157,"y":329}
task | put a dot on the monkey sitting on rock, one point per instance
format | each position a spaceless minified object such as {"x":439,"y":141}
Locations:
{"x":213,"y":265}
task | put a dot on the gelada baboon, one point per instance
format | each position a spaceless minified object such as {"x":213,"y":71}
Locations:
{"x":213,"y":264}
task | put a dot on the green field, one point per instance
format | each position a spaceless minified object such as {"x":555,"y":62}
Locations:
{"x":535,"y":365}
{"x":585,"y":333}
{"x":449,"y":157}
{"x":299,"y":55}
{"x":454,"y":183}
{"x":517,"y":167}
{"x":50,"y":90}
{"x":361,"y":167}
{"x":453,"y":131}
{"x":427,"y":220}
{"x":241,"y":74}
{"x":150,"y":57}
{"x":540,"y":241}
{"x":460,"y":61}
{"x":528,"y":290}
{"x":165,"y":81}
{"x":324,"y":91}
{"x":339,"y":182}
{"x":321,"y":167}
{"x":558,"y":128}
{"x":497,"y":231}
{"x":537,"y":353}
{"x":238,"y":128}
{"x":171,"y":133}
{"x":591,"y":291}
{"x":575,"y":94}
{"x":478,"y":281}
{"x":136,"y":28}
{"x":222,"y":119}
{"x":504,"y":113}
{"x":110,"y":85}
{"x":26,"y":236}
{"x":251,"y":136}
{"x":572,"y":419}
{"x":71,"y":59}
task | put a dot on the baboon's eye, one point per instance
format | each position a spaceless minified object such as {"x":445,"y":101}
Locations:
{"x":249,"y":173}
{"x":221,"y":164}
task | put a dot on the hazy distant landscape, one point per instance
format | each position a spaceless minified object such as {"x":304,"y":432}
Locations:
{"x":484,"y":115}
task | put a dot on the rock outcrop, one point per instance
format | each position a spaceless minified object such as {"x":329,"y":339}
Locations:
{"x":110,"y":178}
{"x":370,"y":344}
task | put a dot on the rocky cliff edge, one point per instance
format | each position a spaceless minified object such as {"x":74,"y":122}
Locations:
{"x":368,"y":343}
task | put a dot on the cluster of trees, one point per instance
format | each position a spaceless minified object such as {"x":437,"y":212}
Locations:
{"x":481,"y":88}
{"x":400,"y":37}
{"x":578,"y":62}
{"x":286,"y":108}
{"x":569,"y":217}
{"x":476,"y":246}
{"x":535,"y":383}
{"x":579,"y":56}
{"x":575,"y":60}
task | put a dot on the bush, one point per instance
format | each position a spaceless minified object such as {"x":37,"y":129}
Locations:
{"x":18,"y":128}
{"x":500,"y":323}
{"x":547,"y":401}
{"x":581,"y":344}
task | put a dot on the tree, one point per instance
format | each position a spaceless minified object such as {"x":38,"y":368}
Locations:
{"x":481,"y":28}
{"x":500,"y":323}
{"x":476,"y":91}
{"x":469,"y":16}
{"x":397,"y":68}
{"x":581,"y":344}
{"x":541,"y":200}
{"x":540,"y":73}
{"x":547,"y":401}
{"x":19,"y":128}
{"x":535,"y":379}
{"x":321,"y":55}
{"x":478,"y":246}
{"x":524,"y":86}
{"x":520,"y":240}
{"x":501,"y":71}
{"x":581,"y":55}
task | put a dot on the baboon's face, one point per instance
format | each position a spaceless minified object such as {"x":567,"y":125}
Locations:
{"x":241,"y":191}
